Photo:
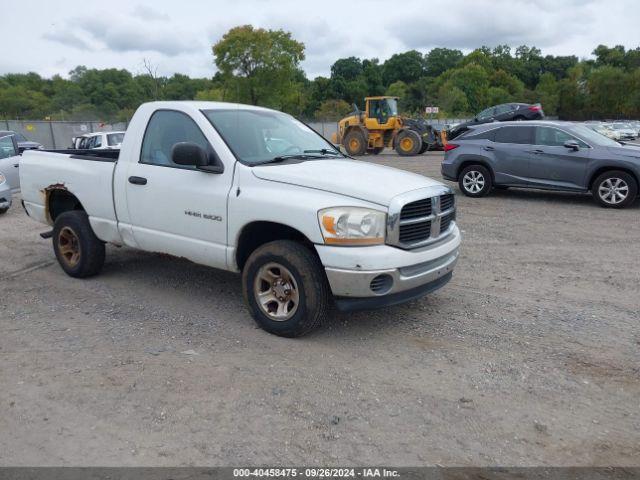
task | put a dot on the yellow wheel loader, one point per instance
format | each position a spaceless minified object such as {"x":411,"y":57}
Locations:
{"x":380,"y":126}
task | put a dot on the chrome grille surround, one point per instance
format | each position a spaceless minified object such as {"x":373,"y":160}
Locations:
{"x":434,"y":219}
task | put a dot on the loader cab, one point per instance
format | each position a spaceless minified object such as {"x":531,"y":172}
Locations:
{"x":381,"y":112}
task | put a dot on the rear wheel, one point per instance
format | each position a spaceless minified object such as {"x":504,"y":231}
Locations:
{"x":355,"y":143}
{"x":475,"y":181}
{"x":79,"y":252}
{"x":615,"y":189}
{"x":285,"y":288}
{"x":408,"y":143}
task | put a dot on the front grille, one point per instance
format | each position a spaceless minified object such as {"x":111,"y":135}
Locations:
{"x":415,"y":232}
{"x":446,"y":220}
{"x":421,"y":208}
{"x":421,"y":221}
{"x":446,"y":202}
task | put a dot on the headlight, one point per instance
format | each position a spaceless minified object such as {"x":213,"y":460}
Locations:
{"x":2,"y":179}
{"x":352,"y":226}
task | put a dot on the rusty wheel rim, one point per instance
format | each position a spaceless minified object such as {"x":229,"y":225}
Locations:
{"x":69,"y":246}
{"x":354,"y":144}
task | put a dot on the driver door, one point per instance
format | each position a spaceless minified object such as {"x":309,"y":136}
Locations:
{"x":177,"y":209}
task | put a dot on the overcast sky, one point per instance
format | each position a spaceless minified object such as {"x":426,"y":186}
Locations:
{"x":54,"y":36}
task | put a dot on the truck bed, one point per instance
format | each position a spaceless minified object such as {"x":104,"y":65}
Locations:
{"x":85,"y":174}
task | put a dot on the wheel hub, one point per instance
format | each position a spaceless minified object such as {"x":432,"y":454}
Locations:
{"x":473,"y":181}
{"x":276,"y":291}
{"x":613,"y":190}
{"x":69,"y":246}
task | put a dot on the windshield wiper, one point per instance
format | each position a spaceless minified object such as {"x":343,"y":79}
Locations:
{"x":325,"y":151}
{"x":282,"y":158}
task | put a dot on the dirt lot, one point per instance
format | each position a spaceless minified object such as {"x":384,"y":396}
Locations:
{"x":530,"y":356}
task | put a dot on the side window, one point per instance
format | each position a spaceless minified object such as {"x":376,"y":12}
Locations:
{"x":553,"y":137}
{"x":7,"y":148}
{"x":165,"y":129}
{"x":488,"y":135}
{"x":485,"y":113}
{"x":503,"y":109}
{"x":97,"y":141}
{"x":521,"y":135}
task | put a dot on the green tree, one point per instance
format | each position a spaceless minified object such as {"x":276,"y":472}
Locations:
{"x":332,"y":110}
{"x":347,"y":68}
{"x":439,"y":60}
{"x":407,"y":66}
{"x":547,"y":93}
{"x":266,"y":60}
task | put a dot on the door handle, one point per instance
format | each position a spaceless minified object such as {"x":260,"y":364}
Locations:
{"x":17,"y":165}
{"x":138,"y":180}
{"x":489,"y":149}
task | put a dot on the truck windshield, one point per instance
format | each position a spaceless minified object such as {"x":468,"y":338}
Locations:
{"x":259,"y":136}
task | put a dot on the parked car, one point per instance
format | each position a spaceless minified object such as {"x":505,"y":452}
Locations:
{"x":626,"y":131}
{"x":10,"y":161}
{"x":306,"y":226}
{"x":23,"y":142}
{"x":5,"y":195}
{"x":98,"y":141}
{"x":500,"y":113}
{"x":602,"y":129}
{"x":548,"y":155}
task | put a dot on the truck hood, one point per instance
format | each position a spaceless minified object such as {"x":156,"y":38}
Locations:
{"x":352,"y":178}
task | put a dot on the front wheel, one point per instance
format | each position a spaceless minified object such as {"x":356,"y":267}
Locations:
{"x":615,"y":189}
{"x":285,"y":288}
{"x":355,"y":143}
{"x":408,"y":143}
{"x":79,"y":252}
{"x":475,"y":181}
{"x":3,"y":211}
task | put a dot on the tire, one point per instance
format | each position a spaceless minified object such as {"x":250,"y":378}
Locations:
{"x":519,"y":118}
{"x":355,"y":143}
{"x":475,"y":181}
{"x":290,"y":269}
{"x":614,"y":189}
{"x":3,"y":211}
{"x":424,"y":148}
{"x":408,"y":143}
{"x":79,"y":252}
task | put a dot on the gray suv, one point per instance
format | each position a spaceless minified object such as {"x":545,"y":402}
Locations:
{"x":543,"y":154}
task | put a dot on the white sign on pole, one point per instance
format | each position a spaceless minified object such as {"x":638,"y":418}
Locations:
{"x":431,"y":110}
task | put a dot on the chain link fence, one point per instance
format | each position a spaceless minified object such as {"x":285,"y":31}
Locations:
{"x":57,"y":134}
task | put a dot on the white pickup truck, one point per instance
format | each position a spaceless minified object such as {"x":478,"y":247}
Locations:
{"x":250,"y":190}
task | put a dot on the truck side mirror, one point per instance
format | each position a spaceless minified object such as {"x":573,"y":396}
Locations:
{"x":189,"y":153}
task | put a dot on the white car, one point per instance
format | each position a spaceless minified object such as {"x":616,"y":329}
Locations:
{"x":306,"y":227}
{"x":626,"y":131}
{"x":99,"y":141}
{"x":603,"y":129}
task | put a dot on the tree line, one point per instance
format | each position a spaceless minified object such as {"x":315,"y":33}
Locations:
{"x":262,"y":67}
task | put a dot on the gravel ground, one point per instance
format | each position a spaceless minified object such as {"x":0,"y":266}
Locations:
{"x":530,"y":356}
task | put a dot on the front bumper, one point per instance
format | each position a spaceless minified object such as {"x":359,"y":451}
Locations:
{"x":387,"y":275}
